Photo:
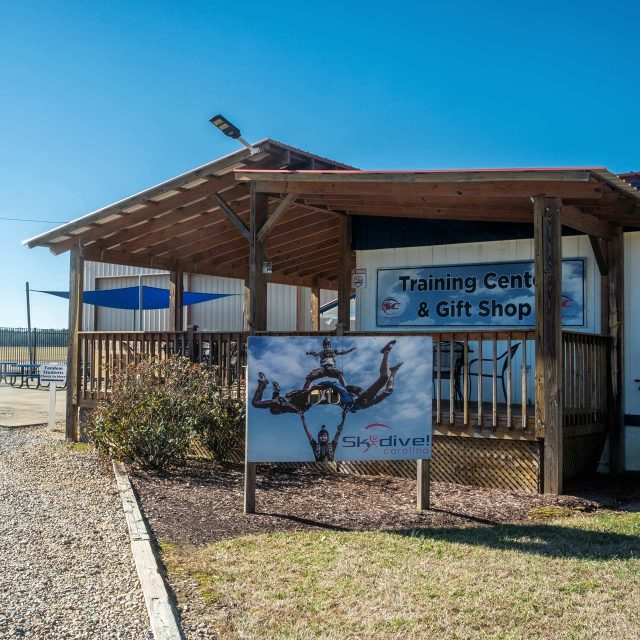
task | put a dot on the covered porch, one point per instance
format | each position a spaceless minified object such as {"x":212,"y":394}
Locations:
{"x":552,"y":404}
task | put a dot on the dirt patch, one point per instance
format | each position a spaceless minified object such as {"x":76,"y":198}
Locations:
{"x":200,"y":504}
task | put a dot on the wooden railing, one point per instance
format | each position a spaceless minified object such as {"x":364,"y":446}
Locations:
{"x":489,"y":384}
{"x":587,"y":379}
{"x":102,"y":355}
{"x":481,"y":380}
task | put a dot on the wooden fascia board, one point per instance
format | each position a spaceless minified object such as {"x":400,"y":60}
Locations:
{"x":500,"y":191}
{"x":438,"y":177}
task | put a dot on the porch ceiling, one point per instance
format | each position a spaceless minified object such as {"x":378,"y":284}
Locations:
{"x":197,"y":222}
{"x":594,"y":199}
{"x":182,"y":224}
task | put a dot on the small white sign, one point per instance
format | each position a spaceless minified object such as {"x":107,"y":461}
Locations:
{"x":359,"y":278}
{"x":53,"y":373}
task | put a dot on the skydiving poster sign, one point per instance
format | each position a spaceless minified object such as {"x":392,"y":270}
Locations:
{"x":473,"y":295}
{"x":315,"y":399}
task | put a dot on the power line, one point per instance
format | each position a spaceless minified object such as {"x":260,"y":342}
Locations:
{"x":32,"y":220}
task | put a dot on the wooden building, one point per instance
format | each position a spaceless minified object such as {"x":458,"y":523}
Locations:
{"x":289,"y":217}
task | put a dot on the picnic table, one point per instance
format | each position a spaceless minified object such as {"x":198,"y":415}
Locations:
{"x":24,"y":372}
{"x":4,"y":368}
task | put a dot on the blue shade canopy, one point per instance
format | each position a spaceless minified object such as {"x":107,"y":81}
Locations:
{"x":128,"y":297}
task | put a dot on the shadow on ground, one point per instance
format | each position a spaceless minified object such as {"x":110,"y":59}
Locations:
{"x":555,"y":541}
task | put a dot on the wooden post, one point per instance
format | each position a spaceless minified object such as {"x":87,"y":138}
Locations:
{"x":259,"y":213}
{"x":424,"y":484}
{"x":315,"y":308}
{"x":76,"y":286}
{"x":257,"y":254}
{"x":615,"y":290}
{"x":344,"y":272}
{"x":176,"y":314}
{"x":548,"y":291}
{"x":249,"y":487}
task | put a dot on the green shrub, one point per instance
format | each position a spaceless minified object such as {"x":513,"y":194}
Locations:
{"x":224,"y":435}
{"x":155,"y":409}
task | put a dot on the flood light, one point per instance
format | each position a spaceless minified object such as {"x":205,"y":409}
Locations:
{"x":230,"y":130}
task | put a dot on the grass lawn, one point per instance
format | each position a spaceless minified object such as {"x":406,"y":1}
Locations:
{"x":575,"y":577}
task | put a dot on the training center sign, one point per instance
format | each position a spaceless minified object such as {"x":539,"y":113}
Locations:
{"x":472,"y":295}
{"x":315,"y":399}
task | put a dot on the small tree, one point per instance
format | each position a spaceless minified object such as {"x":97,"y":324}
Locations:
{"x":155,"y":409}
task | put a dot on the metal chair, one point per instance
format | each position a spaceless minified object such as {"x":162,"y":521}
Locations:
{"x":507,"y":356}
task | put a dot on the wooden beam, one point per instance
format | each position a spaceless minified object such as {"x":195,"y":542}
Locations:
{"x":344,"y":273}
{"x":600,"y":253}
{"x":615,"y":287}
{"x":232,"y":215}
{"x":548,"y":291}
{"x":497,"y":190}
{"x":76,"y":287}
{"x":201,"y":268}
{"x":176,"y":312}
{"x":257,"y":255}
{"x":151,"y":209}
{"x":303,"y":237}
{"x":418,"y":177}
{"x":283,"y":205}
{"x":574,"y":217}
{"x":309,"y":266}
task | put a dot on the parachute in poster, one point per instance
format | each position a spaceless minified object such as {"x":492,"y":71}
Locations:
{"x":325,"y":399}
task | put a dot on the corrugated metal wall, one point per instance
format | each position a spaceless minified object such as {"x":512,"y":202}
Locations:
{"x":225,"y":314}
{"x":632,"y":347}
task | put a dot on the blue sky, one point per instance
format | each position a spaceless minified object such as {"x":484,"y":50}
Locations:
{"x":101,"y":100}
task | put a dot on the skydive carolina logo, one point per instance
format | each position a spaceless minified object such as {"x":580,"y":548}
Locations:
{"x":389,"y":444}
{"x":391,"y":307}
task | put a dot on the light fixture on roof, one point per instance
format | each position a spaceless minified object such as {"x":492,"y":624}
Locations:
{"x":231,"y":131}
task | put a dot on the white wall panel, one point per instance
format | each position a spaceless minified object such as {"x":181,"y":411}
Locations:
{"x":632,"y":346}
{"x":224,"y":314}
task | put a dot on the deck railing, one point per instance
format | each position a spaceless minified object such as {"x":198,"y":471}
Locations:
{"x":102,"y":355}
{"x":587,"y":379}
{"x":481,"y":380}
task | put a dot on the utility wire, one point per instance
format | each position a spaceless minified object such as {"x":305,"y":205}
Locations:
{"x":32,"y":220}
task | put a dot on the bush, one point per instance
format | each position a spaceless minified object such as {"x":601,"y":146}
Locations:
{"x":156,"y":408}
{"x":224,"y":435}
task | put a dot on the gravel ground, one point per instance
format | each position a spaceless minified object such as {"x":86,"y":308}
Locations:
{"x":66,"y":569}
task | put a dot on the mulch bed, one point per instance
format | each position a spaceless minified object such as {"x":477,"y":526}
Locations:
{"x":201,"y":503}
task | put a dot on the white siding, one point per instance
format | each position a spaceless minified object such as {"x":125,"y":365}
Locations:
{"x":225,"y":314}
{"x":632,"y":344}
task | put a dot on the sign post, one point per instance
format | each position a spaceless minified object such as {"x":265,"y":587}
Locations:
{"x":53,"y":373}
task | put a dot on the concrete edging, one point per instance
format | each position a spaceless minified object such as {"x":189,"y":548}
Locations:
{"x":162,"y":616}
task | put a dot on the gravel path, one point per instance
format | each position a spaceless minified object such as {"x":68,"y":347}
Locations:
{"x":66,"y":569}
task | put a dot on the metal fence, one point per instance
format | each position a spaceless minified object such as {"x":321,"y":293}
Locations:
{"x":21,"y":346}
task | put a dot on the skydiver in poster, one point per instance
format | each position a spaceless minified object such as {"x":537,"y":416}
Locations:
{"x":327,"y":368}
{"x":354,"y":398}
{"x":296,"y":401}
{"x":323,"y":450}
